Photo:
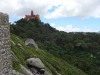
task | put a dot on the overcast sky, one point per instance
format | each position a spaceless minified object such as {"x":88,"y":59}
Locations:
{"x":64,"y":15}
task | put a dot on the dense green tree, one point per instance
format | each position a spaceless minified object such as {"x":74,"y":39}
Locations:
{"x":81,"y":49}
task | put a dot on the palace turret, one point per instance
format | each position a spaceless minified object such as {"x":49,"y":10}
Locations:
{"x":32,"y":16}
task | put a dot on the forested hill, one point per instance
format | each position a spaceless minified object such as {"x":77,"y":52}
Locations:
{"x":77,"y":48}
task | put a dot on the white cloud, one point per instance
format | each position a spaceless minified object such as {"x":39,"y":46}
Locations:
{"x":22,"y":7}
{"x":80,"y":8}
{"x":71,"y":28}
{"x":53,"y":24}
{"x":65,"y":8}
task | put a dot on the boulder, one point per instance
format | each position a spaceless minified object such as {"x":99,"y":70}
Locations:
{"x":25,"y":71}
{"x":34,"y":71}
{"x":31,"y":43}
{"x":16,"y":72}
{"x":41,"y":71}
{"x":35,"y":62}
{"x":47,"y":73}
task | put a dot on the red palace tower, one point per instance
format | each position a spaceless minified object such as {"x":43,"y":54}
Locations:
{"x":32,"y":16}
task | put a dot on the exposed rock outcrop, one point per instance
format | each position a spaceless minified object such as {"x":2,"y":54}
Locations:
{"x":35,"y":62}
{"x":47,"y":72}
{"x":16,"y":72}
{"x":37,"y":67}
{"x":25,"y":71}
{"x":31,"y":43}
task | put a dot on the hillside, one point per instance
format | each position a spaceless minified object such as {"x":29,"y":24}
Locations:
{"x":52,"y":63}
{"x":77,"y":48}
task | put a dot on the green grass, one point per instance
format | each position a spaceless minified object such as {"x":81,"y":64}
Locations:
{"x":52,"y":63}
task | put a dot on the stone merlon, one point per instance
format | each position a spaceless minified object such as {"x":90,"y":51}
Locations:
{"x":4,"y":19}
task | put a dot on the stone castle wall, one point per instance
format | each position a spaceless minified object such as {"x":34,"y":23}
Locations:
{"x":5,"y":51}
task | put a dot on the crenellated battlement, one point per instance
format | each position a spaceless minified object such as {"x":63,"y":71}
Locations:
{"x":4,"y":19}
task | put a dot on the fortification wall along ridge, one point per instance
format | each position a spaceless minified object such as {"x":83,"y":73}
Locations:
{"x":5,"y":50}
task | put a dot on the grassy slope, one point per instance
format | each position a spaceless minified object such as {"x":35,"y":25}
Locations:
{"x":52,"y":63}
